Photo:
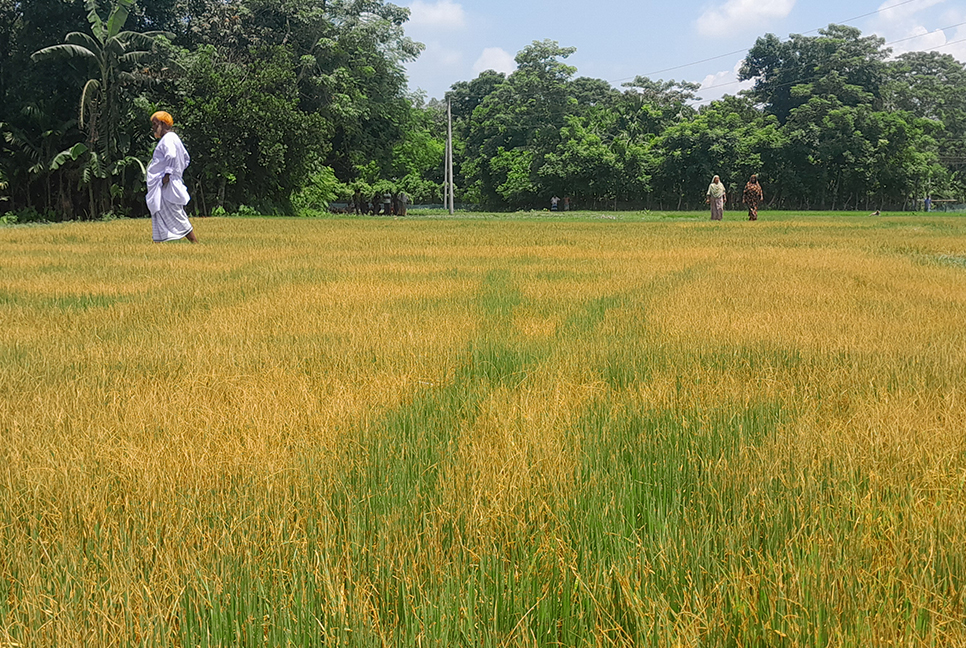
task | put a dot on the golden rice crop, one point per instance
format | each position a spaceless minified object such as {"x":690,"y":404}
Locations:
{"x":484,"y":431}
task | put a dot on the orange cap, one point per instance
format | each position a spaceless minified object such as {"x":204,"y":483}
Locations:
{"x":163,"y":117}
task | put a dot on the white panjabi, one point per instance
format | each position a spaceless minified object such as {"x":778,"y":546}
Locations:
{"x":169,"y":221}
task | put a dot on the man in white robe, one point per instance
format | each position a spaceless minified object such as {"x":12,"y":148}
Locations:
{"x":167,"y":193}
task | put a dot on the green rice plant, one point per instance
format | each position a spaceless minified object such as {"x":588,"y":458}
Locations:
{"x":488,"y":430}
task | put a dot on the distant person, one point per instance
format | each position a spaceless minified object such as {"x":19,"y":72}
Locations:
{"x":167,"y":195}
{"x":403,"y":203}
{"x":358,"y":204}
{"x":716,"y":198}
{"x":752,"y":197}
{"x":928,"y":203}
{"x":386,"y":204}
{"x":566,"y":203}
{"x":553,"y":203}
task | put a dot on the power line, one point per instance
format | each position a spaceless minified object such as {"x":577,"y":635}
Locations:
{"x":866,"y":15}
{"x":928,"y":34}
{"x":730,"y":83}
{"x":736,"y":82}
{"x":678,"y":67}
{"x":955,"y":42}
{"x":714,"y":58}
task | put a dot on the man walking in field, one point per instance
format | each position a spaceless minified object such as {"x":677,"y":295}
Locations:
{"x":167,"y":195}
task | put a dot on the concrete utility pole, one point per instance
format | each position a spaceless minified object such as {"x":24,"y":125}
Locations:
{"x":449,"y":156}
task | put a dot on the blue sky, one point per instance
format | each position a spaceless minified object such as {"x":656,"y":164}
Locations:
{"x":618,"y":40}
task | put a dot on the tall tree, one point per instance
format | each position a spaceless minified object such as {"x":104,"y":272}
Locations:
{"x":838,"y":63}
{"x":583,"y":165}
{"x":353,"y":76}
{"x":36,"y":99}
{"x":931,"y":85}
{"x":728,"y":138}
{"x":251,"y":144}
{"x":418,"y":158}
{"x":112,"y":57}
{"x":525,"y":112}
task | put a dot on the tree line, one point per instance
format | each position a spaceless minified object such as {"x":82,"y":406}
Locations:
{"x":275,"y":100}
{"x":832,"y":122}
{"x":288,"y":106}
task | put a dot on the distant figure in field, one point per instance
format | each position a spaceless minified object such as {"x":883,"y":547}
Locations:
{"x":403,"y":203}
{"x":167,"y":195}
{"x":358,"y":206}
{"x":566,"y":203}
{"x":927,"y":203}
{"x":553,"y":203}
{"x":752,"y":196}
{"x":716,"y":198}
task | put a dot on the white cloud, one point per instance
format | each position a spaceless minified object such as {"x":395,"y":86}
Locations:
{"x":435,"y":65}
{"x":898,"y":24}
{"x":919,"y":38}
{"x":892,"y":12}
{"x":440,"y":56}
{"x":956,"y":46}
{"x":904,"y":28}
{"x":741,"y":14}
{"x":495,"y":58}
{"x":443,"y":14}
{"x":715,"y":86}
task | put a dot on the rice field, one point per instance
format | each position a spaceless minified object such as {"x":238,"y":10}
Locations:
{"x":485,"y":431}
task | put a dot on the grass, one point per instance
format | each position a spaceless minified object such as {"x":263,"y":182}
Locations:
{"x":486,"y":431}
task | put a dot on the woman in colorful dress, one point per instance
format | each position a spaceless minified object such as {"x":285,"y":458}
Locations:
{"x":752,"y":197}
{"x":716,"y":198}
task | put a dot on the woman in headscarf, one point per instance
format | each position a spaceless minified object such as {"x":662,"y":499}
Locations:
{"x":167,"y":194}
{"x":716,"y":198}
{"x":752,"y":196}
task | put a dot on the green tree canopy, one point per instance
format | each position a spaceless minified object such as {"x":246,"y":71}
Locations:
{"x":839,"y":63}
{"x":112,"y":57}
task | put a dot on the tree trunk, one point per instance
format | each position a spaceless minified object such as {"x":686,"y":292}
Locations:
{"x":222,"y":183}
{"x":201,"y":197}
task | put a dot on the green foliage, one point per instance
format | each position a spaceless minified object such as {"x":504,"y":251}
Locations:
{"x":267,"y":93}
{"x":321,"y":189}
{"x":244,"y":129}
{"x":830,"y":123}
{"x":112,"y":57}
{"x":519,"y":120}
{"x":352,"y":75}
{"x":418,"y":158}
{"x":669,"y":96}
{"x":28,"y":215}
{"x":929,"y":85}
{"x":838,"y":63}
{"x":422,"y":146}
{"x":327,"y":88}
{"x":513,"y":168}
{"x":582,"y":165}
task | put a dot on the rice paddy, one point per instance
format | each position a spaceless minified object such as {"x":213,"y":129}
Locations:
{"x":483,"y":431}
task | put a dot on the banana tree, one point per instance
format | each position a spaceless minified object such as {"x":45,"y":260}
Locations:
{"x":35,"y":145}
{"x":113,"y":57}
